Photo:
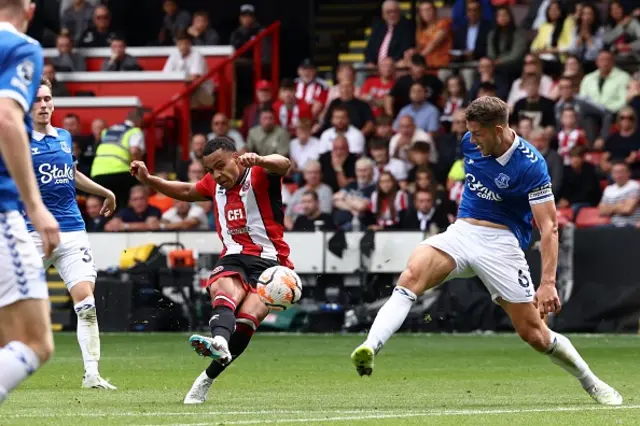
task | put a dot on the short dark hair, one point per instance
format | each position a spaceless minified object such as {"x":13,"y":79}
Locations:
{"x":378,"y":143}
{"x":72,"y":115}
{"x":201,"y":13}
{"x":118,"y":38}
{"x":224,"y":143}
{"x":488,"y":111}
{"x":421,"y":146}
{"x":339,"y":108}
{"x":577,"y":151}
{"x":418,"y":60}
{"x":570,"y":108}
{"x":620,"y":163}
{"x":264,"y":109}
{"x":424,"y":191}
{"x":287,"y":84}
{"x":384,"y":120}
{"x":487,"y":86}
{"x":183,"y":36}
{"x":312,"y":193}
{"x":45,"y":82}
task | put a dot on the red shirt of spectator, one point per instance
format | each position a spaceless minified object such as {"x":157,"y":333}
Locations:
{"x":290,"y":110}
{"x":311,"y":89}
{"x":375,"y":88}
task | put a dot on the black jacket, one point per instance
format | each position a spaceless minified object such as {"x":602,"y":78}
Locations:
{"x":403,"y":38}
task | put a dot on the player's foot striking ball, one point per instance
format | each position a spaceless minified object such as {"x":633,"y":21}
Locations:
{"x":247,"y":204}
{"x":507,"y":185}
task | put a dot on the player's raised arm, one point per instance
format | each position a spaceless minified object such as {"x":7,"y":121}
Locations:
{"x":177,"y":190}
{"x":274,"y":163}
{"x":545,"y":216}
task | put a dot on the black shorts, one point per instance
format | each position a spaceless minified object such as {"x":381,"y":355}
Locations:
{"x":247,"y":268}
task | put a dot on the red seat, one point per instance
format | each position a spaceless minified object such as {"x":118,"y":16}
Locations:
{"x":565,"y":216}
{"x":590,"y":216}
{"x":603,"y":184}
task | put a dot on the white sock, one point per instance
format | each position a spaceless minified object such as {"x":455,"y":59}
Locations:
{"x":88,"y":335}
{"x":17,"y":362}
{"x":390,"y":317}
{"x":562,"y":353}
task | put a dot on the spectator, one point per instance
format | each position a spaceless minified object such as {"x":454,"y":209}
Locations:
{"x":622,"y":34}
{"x":87,"y":146}
{"x":418,"y":158}
{"x":407,"y":135}
{"x":470,"y":39}
{"x":607,"y":85}
{"x":455,"y":94}
{"x":487,"y":89}
{"x":588,"y":38}
{"x":313,"y":182}
{"x":312,"y":215}
{"x":554,"y":37}
{"x":251,"y":114}
{"x":540,"y":140}
{"x":574,"y":70}
{"x":487,"y":75}
{"x":388,"y":202}
{"x":248,"y":29}
{"x":580,"y":183}
{"x":353,"y":201}
{"x":525,"y":127}
{"x":449,"y":145}
{"x":188,"y":60}
{"x":422,"y":179}
{"x":200,"y":31}
{"x":633,"y":94}
{"x":58,"y":88}
{"x":310,"y":88}
{"x":345,"y":74}
{"x":360,"y":115}
{"x":459,"y":11}
{"x":384,"y":127}
{"x":425,"y":115}
{"x":624,"y":145}
{"x":342,"y":127}
{"x":290,"y":110}
{"x":267,"y":137}
{"x":175,"y":21}
{"x":198,"y":141}
{"x":220,"y":127}
{"x":93,"y":220}
{"x":620,"y":199}
{"x":195,"y":172}
{"x":304,"y":147}
{"x":77,"y":19}
{"x":590,"y":116}
{"x":506,"y":44}
{"x":540,"y":109}
{"x":425,"y":215}
{"x":532,"y":65}
{"x":184,"y":216}
{"x":434,"y":38}
{"x":67,"y":60}
{"x":376,"y":88}
{"x":570,"y":136}
{"x":390,"y":37}
{"x":399,"y":95}
{"x":338,"y":165}
{"x":379,"y":150}
{"x":99,"y":34}
{"x":139,"y":216}
{"x":120,"y":60}
{"x":160,"y":200}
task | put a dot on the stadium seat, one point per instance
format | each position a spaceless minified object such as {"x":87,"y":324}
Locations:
{"x":589,"y":217}
{"x":603,"y":184}
{"x":565,"y":216}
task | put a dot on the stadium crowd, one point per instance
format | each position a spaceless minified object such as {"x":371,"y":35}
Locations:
{"x":382,"y":152}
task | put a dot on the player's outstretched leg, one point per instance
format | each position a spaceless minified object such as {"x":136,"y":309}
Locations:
{"x":427,"y":267}
{"x":246,"y":325}
{"x":532,"y":329}
{"x":88,"y":335}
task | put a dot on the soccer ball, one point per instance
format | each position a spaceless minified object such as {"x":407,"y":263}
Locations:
{"x":279,"y":288}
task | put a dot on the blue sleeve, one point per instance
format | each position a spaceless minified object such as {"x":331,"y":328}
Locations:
{"x":538,"y":183}
{"x":465,"y":144}
{"x":21,"y":70}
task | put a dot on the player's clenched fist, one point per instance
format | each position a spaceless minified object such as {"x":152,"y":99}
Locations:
{"x":140,"y":171}
{"x":249,"y":159}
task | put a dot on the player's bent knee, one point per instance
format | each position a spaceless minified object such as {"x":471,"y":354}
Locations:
{"x":81,"y":291}
{"x":427,"y":267}
{"x":227,"y":291}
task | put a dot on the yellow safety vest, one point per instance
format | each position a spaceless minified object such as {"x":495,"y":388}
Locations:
{"x":112,"y":155}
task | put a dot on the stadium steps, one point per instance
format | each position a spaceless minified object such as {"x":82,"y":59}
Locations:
{"x":62,"y":315}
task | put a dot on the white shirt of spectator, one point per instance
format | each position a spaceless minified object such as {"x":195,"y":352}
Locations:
{"x":233,"y":134}
{"x":136,"y":140}
{"x":354,"y":137}
{"x":398,"y":168}
{"x":418,"y":135}
{"x":195,"y":212}
{"x":517,"y":93}
{"x":300,"y":153}
{"x":193,"y":64}
{"x":614,"y":194}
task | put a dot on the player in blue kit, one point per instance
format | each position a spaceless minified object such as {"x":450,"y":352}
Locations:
{"x":507,"y":184}
{"x":56,"y":173}
{"x":26,"y":341}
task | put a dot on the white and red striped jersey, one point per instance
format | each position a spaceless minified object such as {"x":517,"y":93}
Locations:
{"x":567,"y":140}
{"x":249,"y":216}
{"x":384,"y":217}
{"x":315,"y":91}
{"x":289,"y":118}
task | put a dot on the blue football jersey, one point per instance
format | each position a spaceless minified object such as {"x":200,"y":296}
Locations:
{"x":55,"y":172}
{"x":501,"y":190}
{"x":21,"y":66}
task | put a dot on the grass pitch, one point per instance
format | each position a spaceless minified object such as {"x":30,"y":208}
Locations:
{"x":283,"y":379}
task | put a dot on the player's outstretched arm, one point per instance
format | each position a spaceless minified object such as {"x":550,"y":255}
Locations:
{"x":274,"y":163}
{"x":84,"y":183}
{"x":546,"y":218}
{"x":176,"y":190}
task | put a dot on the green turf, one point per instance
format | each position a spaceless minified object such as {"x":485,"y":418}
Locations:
{"x":418,"y":380}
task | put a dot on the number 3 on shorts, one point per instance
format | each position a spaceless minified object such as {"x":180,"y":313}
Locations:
{"x":86,"y":258}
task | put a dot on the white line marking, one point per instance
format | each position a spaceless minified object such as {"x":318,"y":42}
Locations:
{"x":433,"y":413}
{"x":196,"y":413}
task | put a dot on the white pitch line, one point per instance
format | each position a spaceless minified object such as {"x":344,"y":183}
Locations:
{"x":433,"y":413}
